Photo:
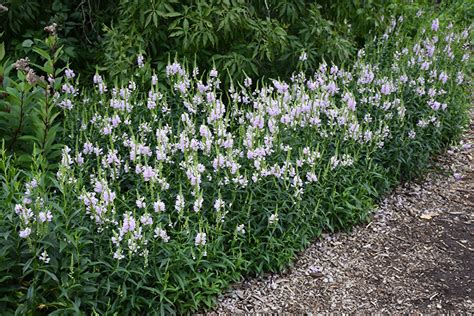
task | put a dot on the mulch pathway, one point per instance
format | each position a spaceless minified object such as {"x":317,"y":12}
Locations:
{"x":415,"y":256}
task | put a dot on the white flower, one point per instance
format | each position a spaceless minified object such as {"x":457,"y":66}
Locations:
{"x":97,"y":79}
{"x":66,"y":159}
{"x":162,"y":234}
{"x":241,"y":229}
{"x":200,"y":239}
{"x":44,"y":257}
{"x":219,"y":204}
{"x":273,"y":219}
{"x":303,"y":56}
{"x":213,"y":73}
{"x":198,"y":204}
{"x":179,"y":204}
{"x":140,"y":202}
{"x":118,"y":254}
{"x":247,"y":82}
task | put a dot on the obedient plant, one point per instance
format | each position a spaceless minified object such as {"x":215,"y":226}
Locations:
{"x":165,"y":193}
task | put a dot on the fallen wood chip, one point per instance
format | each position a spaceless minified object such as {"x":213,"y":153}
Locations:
{"x":429,"y":215}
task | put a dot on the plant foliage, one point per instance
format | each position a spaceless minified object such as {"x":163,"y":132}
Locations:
{"x":171,"y":185}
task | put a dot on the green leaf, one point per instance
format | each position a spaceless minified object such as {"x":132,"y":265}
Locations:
{"x":2,"y":50}
{"x":155,"y":19}
{"x":89,"y":289}
{"x":51,"y":275}
{"x":28,"y":138}
{"x":171,"y":14}
{"x":42,"y":53}
{"x":6,"y":278}
{"x":58,"y":52}
{"x":177,"y":33}
{"x":27,"y":43}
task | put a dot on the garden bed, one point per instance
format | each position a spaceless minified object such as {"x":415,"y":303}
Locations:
{"x":170,"y":185}
{"x":415,"y":256}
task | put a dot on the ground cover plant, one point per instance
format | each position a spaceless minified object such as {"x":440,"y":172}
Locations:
{"x":165,"y":194}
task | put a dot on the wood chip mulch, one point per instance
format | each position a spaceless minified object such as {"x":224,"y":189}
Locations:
{"x":415,"y":256}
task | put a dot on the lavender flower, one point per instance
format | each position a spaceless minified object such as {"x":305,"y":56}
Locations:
{"x":69,"y":73}
{"x":140,"y":63}
{"x":146,"y":220}
{"x":45,"y":216}
{"x":161,"y":233}
{"x":213,"y":73}
{"x":159,"y":206}
{"x":128,"y":224}
{"x":25,"y":232}
{"x":435,"y":25}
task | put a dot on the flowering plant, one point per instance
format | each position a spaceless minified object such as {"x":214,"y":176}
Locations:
{"x":165,"y":194}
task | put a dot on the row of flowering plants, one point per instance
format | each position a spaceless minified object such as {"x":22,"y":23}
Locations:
{"x":169,"y":191}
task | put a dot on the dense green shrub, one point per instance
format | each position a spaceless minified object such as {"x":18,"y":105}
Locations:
{"x":28,"y":111}
{"x":164,"y":194}
{"x":259,"y":38}
{"x":79,"y":25}
{"x":244,"y":37}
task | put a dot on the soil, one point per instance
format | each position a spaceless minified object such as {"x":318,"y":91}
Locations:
{"x":415,"y":256}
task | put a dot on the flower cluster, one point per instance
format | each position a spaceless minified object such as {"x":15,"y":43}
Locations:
{"x":32,"y":212}
{"x":187,"y":157}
